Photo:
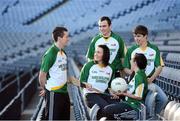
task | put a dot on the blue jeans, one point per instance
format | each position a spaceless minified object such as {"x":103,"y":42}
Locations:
{"x":161,"y":98}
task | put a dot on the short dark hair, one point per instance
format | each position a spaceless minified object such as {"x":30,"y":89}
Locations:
{"x":140,"y":29}
{"x":140,"y":60}
{"x":58,"y":32}
{"x":105,"y":18}
{"x":106,"y":54}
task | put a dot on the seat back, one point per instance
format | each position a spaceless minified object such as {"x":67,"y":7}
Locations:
{"x":172,"y":111}
{"x":167,"y":109}
{"x":177,"y":115}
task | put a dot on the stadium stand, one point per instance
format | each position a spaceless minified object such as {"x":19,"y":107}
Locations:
{"x":25,"y":29}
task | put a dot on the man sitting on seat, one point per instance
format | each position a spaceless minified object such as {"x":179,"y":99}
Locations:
{"x":137,"y":89}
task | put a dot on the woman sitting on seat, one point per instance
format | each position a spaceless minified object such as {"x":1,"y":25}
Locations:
{"x":95,"y":79}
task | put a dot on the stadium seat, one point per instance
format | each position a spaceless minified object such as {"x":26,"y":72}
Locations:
{"x":167,"y":109}
{"x":173,"y":110}
{"x":177,"y":115}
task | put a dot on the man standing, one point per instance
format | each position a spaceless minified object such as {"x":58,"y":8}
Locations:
{"x":53,"y":77}
{"x":154,"y":63}
{"x":113,"y":42}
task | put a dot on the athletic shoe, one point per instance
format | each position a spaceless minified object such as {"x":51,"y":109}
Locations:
{"x":93,"y":112}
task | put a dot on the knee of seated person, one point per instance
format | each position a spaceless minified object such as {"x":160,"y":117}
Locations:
{"x":107,"y":112}
{"x":150,"y":101}
{"x":165,"y":101}
{"x":152,"y":87}
{"x":107,"y":109}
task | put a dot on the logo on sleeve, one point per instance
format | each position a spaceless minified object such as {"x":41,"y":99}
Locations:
{"x":95,"y":72}
{"x":113,"y":44}
{"x":108,"y":73}
{"x":152,"y":54}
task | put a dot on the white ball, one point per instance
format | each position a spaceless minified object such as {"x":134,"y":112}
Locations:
{"x":118,"y":84}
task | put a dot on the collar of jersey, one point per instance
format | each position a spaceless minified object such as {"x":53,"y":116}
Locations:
{"x":144,"y":49}
{"x":140,"y":71}
{"x":101,"y":65}
{"x":55,"y":47}
{"x":107,"y":38}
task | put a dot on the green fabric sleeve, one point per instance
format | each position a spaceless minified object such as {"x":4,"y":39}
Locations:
{"x":127,"y":59}
{"x":158,"y":58}
{"x":91,"y":50}
{"x":117,"y":64}
{"x":47,"y":62}
{"x":85,"y":71}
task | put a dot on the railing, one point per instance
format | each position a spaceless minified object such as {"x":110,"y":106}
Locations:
{"x":13,"y":110}
{"x":79,"y":107}
{"x":39,"y":110}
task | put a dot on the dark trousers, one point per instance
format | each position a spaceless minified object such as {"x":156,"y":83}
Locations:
{"x":114,"y":111}
{"x":101,"y":100}
{"x":57,"y":106}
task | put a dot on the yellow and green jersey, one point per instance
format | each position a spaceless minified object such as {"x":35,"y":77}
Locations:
{"x":138,"y":86}
{"x":116,"y":46}
{"x":54,"y":62}
{"x":152,"y":54}
{"x":98,"y":76}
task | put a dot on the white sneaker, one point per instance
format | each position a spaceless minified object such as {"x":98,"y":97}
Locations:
{"x":103,"y":119}
{"x":93,"y":112}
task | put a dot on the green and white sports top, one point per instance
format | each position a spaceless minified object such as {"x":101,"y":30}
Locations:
{"x":54,"y":62}
{"x":116,"y":46}
{"x":99,"y":77}
{"x":138,"y":86}
{"x":152,"y":54}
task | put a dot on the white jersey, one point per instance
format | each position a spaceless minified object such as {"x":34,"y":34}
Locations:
{"x":99,"y":77}
{"x":112,"y":44}
{"x":55,"y":64}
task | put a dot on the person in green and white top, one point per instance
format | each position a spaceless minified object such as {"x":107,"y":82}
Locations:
{"x":112,"y":40}
{"x":53,"y":77}
{"x":95,"y":77}
{"x":154,"y":66}
{"x":137,"y":89}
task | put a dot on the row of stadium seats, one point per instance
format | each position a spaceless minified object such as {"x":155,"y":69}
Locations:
{"x":129,"y":10}
{"x":7,"y":4}
{"x":23,"y":14}
{"x":169,"y":82}
{"x":29,"y":43}
{"x":173,"y":60}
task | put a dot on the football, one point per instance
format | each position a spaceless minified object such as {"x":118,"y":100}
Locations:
{"x":118,"y":84}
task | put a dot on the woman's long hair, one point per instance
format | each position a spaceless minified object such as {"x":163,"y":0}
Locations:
{"x":106,"y":54}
